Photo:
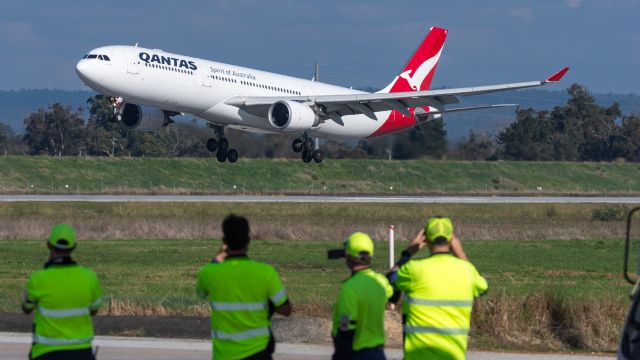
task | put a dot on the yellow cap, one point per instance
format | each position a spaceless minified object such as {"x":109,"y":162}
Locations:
{"x":439,"y":227}
{"x":357,"y":243}
{"x":63,"y":237}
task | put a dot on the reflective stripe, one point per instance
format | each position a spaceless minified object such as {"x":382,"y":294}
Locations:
{"x":96,"y":304}
{"x":217,"y":334}
{"x":456,"y":303}
{"x":235,"y":306}
{"x":411,"y":329}
{"x":56,"y":341}
{"x":63,"y":312}
{"x":278,"y":296}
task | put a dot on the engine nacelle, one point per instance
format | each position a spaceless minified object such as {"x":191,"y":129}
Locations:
{"x":422,"y":116}
{"x":143,"y":118}
{"x":291,"y":116}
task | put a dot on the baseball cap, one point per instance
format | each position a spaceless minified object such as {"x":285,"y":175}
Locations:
{"x":357,"y":243}
{"x":439,"y":227}
{"x":63,"y":237}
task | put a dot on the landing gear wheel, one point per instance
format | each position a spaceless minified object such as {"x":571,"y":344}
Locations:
{"x":232,"y":155}
{"x":221,"y":155}
{"x":223,"y":145}
{"x":297,"y":145}
{"x":212,"y":145}
{"x":307,"y":156}
{"x":309,"y":145}
{"x":318,"y":156}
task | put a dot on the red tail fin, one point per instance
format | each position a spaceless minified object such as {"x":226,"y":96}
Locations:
{"x":418,"y":72}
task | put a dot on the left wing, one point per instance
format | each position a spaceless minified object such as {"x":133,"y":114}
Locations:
{"x":336,"y":106}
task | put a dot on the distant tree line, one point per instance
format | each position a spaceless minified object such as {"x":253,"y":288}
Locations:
{"x":581,"y":130}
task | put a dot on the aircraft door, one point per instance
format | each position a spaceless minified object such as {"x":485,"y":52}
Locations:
{"x":206,"y":79}
{"x":132,"y":63}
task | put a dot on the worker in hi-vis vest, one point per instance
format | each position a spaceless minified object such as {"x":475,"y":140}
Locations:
{"x":64,"y":296}
{"x":358,"y":314}
{"x":243,"y":295}
{"x":439,"y":292}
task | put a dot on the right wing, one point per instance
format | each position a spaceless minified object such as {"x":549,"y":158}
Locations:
{"x":336,"y":106}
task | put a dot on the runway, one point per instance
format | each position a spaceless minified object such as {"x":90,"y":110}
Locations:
{"x":327,"y":199}
{"x":15,"y":346}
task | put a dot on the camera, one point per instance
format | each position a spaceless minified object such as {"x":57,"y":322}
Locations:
{"x":336,"y":254}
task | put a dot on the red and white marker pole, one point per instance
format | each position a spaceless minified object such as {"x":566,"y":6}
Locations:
{"x":392,"y":241}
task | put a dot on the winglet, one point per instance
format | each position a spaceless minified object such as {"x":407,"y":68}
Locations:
{"x":557,"y":76}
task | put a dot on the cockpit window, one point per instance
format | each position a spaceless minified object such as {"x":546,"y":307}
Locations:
{"x":92,"y":56}
{"x":84,"y":57}
{"x":106,"y":58}
{"x":100,"y":57}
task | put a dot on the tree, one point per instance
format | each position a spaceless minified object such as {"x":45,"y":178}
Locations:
{"x":477,"y":146}
{"x":626,"y":142}
{"x":527,"y":138}
{"x":10,"y":143}
{"x":58,"y":131}
{"x":427,"y":139}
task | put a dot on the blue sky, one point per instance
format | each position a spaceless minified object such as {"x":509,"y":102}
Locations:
{"x":361,"y":42}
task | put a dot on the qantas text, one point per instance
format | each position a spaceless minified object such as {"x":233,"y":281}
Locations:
{"x":166,"y":60}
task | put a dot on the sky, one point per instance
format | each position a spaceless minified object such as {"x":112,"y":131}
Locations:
{"x":357,"y":43}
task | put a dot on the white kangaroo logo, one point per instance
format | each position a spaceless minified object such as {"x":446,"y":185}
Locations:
{"x":421,"y":72}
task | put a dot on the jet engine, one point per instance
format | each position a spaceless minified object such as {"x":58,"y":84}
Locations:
{"x":143,"y":118}
{"x":291,"y":116}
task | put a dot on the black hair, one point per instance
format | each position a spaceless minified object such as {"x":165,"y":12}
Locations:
{"x":363,"y":259}
{"x":235,"y":232}
{"x":440,"y":240}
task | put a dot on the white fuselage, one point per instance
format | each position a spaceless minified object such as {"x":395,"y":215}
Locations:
{"x":199,"y":87}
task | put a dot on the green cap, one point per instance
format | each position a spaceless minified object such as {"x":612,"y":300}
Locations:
{"x":63,"y":237}
{"x":357,"y":243}
{"x":439,"y":227}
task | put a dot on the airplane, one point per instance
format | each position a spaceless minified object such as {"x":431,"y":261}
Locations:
{"x":147,"y":87}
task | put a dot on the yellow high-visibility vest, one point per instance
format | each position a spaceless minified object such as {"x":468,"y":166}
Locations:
{"x":439,"y":294}
{"x":360,"y":307}
{"x":63,"y":296}
{"x":239,"y":291}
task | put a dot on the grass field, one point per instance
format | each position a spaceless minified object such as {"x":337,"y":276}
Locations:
{"x":528,"y":280}
{"x":24,"y":174}
{"x":281,"y":221}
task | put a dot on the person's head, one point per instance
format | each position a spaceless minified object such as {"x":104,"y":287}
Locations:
{"x":439,"y":232}
{"x":359,"y":251}
{"x":235,"y":233}
{"x":62,"y":240}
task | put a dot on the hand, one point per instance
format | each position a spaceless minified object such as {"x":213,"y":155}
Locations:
{"x":456,"y":248}
{"x":417,"y":243}
{"x":222,"y":253}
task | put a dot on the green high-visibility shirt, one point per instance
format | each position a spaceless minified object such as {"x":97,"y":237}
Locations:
{"x":439,"y":294}
{"x":360,"y":307}
{"x":240,"y":291}
{"x":63,"y":295}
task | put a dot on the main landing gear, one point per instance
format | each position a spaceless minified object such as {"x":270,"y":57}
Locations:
{"x":221,"y":147}
{"x":307,"y":147}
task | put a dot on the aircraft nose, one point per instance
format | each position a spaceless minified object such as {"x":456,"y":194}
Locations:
{"x":86,"y":71}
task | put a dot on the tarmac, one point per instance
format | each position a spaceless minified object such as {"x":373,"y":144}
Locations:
{"x":15,"y":346}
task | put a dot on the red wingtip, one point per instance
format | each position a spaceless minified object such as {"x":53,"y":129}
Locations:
{"x":557,"y":76}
